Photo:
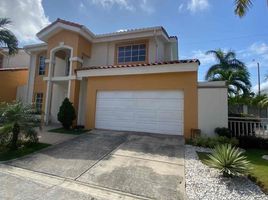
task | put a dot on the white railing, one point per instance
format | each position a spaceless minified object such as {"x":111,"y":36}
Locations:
{"x":242,"y":126}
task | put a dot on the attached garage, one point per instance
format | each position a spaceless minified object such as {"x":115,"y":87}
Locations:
{"x":156,"y":98}
{"x":152,"y":111}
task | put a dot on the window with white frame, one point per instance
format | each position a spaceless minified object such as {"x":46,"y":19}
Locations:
{"x":38,"y":102}
{"x":42,"y":65}
{"x":131,"y":53}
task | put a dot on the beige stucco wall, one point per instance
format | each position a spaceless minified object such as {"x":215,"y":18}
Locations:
{"x":104,"y":53}
{"x":212,"y":109}
{"x":21,"y":59}
{"x":185,"y":81}
{"x":10,"y":81}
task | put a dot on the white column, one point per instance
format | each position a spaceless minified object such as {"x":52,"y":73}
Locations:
{"x":30,"y":86}
{"x":49,"y":91}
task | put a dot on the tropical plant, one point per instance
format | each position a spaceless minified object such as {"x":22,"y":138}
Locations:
{"x":7,"y":38}
{"x":17,"y":119}
{"x":231,"y":70}
{"x":242,"y":6}
{"x":229,"y":160}
{"x":66,"y":114}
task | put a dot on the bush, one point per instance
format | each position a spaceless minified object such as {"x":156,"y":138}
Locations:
{"x":223,"y":132}
{"x":229,"y":160}
{"x":211,"y":142}
{"x":252,"y":142}
{"x":66,"y":114}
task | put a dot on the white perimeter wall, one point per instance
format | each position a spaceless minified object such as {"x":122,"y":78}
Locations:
{"x":212,"y":109}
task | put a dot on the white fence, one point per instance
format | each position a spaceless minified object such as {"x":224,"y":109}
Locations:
{"x":248,"y":126}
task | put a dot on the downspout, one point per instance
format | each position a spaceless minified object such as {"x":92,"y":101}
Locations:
{"x":156,"y":46}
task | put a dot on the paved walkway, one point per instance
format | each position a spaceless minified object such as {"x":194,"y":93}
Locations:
{"x":53,"y":138}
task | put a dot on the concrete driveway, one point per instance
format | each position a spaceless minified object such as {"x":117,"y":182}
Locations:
{"x":148,"y":166}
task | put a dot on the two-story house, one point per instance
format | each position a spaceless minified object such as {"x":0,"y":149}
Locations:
{"x":130,"y":80}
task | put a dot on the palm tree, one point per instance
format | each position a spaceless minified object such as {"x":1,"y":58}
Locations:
{"x":231,"y":70}
{"x":242,"y":6}
{"x":17,"y":119}
{"x":7,"y":38}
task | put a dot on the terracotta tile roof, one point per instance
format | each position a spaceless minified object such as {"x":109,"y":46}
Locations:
{"x":14,"y":69}
{"x":63,"y":22}
{"x":141,"y":65}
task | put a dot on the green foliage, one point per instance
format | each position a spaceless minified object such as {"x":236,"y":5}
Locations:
{"x":253,"y":142}
{"x":211,"y":142}
{"x":66,"y":114}
{"x":242,"y":6}
{"x":229,"y":160}
{"x":223,"y":132}
{"x":17,"y":120}
{"x":230,"y":70}
{"x":7,"y":38}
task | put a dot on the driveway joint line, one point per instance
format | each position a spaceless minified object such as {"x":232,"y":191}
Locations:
{"x":100,"y":159}
{"x":148,"y":159}
{"x":68,"y":180}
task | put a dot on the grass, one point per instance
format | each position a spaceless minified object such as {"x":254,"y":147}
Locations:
{"x":259,"y":171}
{"x":70,"y":131}
{"x":27,"y":149}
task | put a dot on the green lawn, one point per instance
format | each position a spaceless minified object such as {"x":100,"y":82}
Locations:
{"x":259,"y":172}
{"x":27,"y":149}
{"x":70,"y":131}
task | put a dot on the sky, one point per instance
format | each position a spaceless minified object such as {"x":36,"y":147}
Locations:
{"x":200,"y":25}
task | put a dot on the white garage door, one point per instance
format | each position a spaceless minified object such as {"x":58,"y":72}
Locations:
{"x":142,"y":111}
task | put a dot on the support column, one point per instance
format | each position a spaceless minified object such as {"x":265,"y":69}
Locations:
{"x":74,"y":88}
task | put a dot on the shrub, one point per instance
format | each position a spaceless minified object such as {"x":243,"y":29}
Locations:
{"x":252,"y":142}
{"x":17,"y":120}
{"x":229,"y":160}
{"x":211,"y":142}
{"x":223,"y":132}
{"x":66,"y":114}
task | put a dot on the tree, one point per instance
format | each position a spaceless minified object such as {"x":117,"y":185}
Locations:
{"x":231,"y":70}
{"x":66,"y":114}
{"x":17,"y":119}
{"x":7,"y":38}
{"x":242,"y":6}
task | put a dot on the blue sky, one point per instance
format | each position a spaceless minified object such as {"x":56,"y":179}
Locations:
{"x":200,"y":25}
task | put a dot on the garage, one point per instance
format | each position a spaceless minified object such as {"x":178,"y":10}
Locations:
{"x":152,"y":111}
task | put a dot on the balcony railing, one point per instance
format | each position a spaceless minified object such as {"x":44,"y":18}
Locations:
{"x":242,"y":126}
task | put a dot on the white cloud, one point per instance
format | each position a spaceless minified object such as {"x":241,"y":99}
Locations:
{"x":203,"y":57}
{"x":259,"y":48}
{"x":263,"y":86}
{"x":130,"y":5}
{"x":197,"y":5}
{"x":181,"y":6}
{"x":110,"y":3}
{"x":27,"y":16}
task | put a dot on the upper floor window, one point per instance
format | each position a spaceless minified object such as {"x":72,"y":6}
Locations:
{"x":131,"y":53}
{"x":42,"y":65}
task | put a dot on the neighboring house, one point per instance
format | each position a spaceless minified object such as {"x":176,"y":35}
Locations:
{"x":13,"y":75}
{"x":131,"y":80}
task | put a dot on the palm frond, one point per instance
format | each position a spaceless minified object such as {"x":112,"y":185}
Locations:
{"x":242,"y":6}
{"x":4,"y":22}
{"x":7,"y":38}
